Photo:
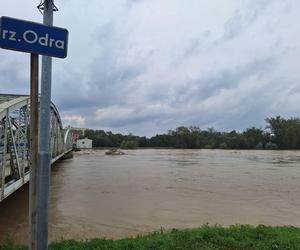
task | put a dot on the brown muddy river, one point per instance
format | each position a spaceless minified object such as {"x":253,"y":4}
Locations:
{"x":95,"y":195}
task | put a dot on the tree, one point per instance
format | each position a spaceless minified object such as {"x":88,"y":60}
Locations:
{"x":131,"y":144}
{"x":280,"y":133}
{"x":254,"y":137}
{"x":285,"y":133}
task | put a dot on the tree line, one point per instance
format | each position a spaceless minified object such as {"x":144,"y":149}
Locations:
{"x":279,"y":133}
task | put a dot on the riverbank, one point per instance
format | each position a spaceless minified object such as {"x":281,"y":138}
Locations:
{"x":205,"y":237}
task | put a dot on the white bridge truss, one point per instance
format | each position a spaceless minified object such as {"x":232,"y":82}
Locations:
{"x":14,"y":141}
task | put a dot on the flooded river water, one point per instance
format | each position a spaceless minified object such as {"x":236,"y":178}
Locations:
{"x":95,"y":195}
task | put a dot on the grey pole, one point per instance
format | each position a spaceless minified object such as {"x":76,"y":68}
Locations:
{"x":44,"y":155}
{"x":34,"y":102}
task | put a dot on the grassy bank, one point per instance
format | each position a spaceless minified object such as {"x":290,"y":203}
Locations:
{"x":205,"y":237}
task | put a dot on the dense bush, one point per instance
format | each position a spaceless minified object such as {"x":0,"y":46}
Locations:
{"x":130,"y":144}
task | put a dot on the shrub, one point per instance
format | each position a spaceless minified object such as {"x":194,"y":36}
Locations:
{"x":271,"y":145}
{"x":130,"y":144}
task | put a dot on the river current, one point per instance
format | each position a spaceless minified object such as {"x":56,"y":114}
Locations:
{"x":97,"y":195}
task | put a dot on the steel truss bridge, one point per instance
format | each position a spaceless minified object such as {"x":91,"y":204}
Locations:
{"x":14,"y":141}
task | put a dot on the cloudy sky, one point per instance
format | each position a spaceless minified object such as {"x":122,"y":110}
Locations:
{"x":146,"y":66}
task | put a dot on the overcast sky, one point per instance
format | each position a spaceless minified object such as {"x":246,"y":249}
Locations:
{"x":146,"y":66}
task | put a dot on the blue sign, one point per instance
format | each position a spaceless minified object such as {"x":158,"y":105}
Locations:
{"x":33,"y":37}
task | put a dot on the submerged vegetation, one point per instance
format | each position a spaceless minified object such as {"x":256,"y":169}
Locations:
{"x":279,"y":133}
{"x":239,"y":237}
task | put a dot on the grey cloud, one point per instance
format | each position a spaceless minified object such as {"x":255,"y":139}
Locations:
{"x":106,"y":87}
{"x":239,"y":22}
{"x":14,"y":78}
{"x":233,"y":26}
{"x":226,"y":79}
{"x":194,"y":46}
{"x":206,"y":89}
{"x":180,"y":78}
{"x":109,"y":80}
{"x":130,"y":3}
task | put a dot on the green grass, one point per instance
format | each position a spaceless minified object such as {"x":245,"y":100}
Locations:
{"x":206,"y":237}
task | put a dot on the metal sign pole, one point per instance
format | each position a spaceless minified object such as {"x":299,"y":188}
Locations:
{"x":34,"y":102}
{"x":44,"y":156}
{"x":44,"y":39}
